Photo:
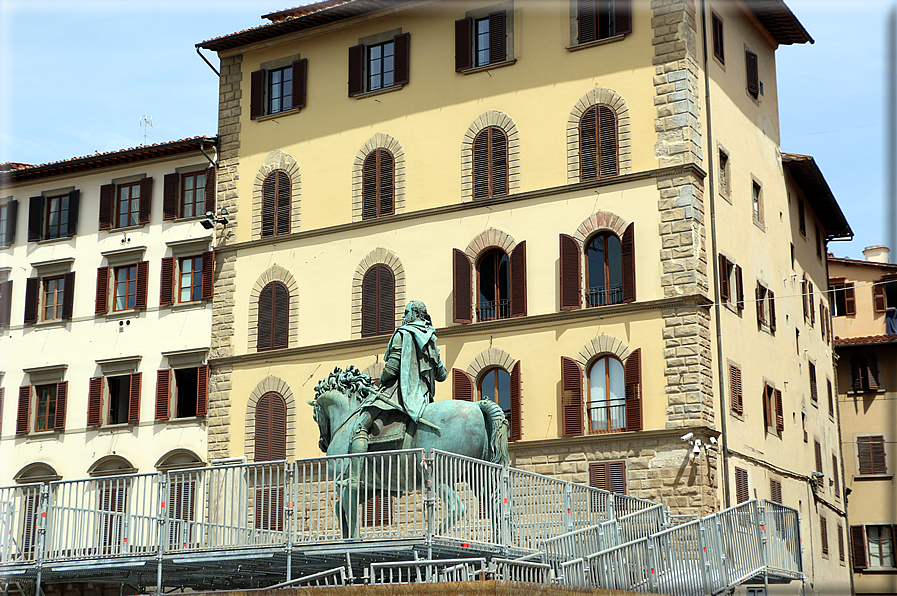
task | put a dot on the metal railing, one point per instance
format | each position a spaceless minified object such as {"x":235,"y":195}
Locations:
{"x":442,"y":570}
{"x":488,"y":310}
{"x":603,"y":295}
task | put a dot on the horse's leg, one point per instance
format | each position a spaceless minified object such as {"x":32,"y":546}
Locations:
{"x":349,"y":511}
{"x":454,"y":507}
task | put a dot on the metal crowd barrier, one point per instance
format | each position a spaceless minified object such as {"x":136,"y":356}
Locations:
{"x":414,"y":572}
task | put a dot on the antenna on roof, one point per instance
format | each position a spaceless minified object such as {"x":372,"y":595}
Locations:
{"x":144,"y":122}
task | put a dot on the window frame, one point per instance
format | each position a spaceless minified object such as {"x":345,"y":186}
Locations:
{"x":501,"y":305}
{"x":260,"y":96}
{"x":360,"y":62}
{"x":283,"y":96}
{"x":725,"y":174}
{"x":606,"y":265}
{"x":48,"y":417}
{"x":132,"y":202}
{"x":608,"y":407}
{"x":494,"y":160}
{"x":843,"y":297}
{"x":127,"y":282}
{"x":8,"y":213}
{"x":195,"y":281}
{"x":58,"y":204}
{"x":100,"y":402}
{"x":59,"y":298}
{"x":499,"y":37}
{"x":757,"y":212}
{"x":168,"y":394}
{"x":198,"y":203}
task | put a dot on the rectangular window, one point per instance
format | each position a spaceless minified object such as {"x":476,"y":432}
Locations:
{"x":731,"y":283}
{"x":119,"y":398}
{"x":801,"y":218}
{"x":831,"y":398}
{"x":193,"y":194}
{"x":813,"y":393}
{"x":718,"y":50}
{"x":125,"y":287}
{"x":775,"y":491}
{"x":766,"y":307}
{"x":735,"y":389}
{"x":752,"y":69}
{"x":190,"y":283}
{"x":481,"y":41}
{"x":724,"y":174}
{"x":186,"y":392}
{"x":823,"y":534}
{"x":818,"y":241}
{"x":864,"y":374}
{"x":127,"y":205}
{"x":742,"y":493}
{"x":54,"y":296}
{"x":46,"y":407}
{"x":817,"y":451}
{"x":835,"y":476}
{"x":609,"y":476}
{"x":769,"y":406}
{"x":381,"y":66}
{"x":871,"y":455}
{"x":603,"y":19}
{"x":4,"y":224}
{"x":280,"y":90}
{"x":57,"y":217}
{"x":757,"y":202}
{"x":840,"y":543}
{"x":880,"y":540}
{"x":843,"y":299}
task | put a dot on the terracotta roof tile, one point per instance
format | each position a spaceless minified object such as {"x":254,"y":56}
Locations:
{"x":868,"y":339}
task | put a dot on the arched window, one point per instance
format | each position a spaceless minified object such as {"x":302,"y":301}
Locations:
{"x":273,"y":316}
{"x":378,"y":187}
{"x":276,"y":204}
{"x":490,"y":163}
{"x":598,"y":143}
{"x":606,"y":405}
{"x":493,"y":285}
{"x":270,"y":428}
{"x":378,"y":301}
{"x":495,"y":386}
{"x":609,"y":267}
{"x":604,"y":270}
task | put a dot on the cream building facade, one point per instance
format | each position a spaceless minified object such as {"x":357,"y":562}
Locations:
{"x":592,"y":202}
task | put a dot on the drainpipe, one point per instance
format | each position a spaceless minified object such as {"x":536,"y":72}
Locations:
{"x":711,"y":177}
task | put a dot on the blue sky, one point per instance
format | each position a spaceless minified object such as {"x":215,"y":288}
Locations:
{"x":75,"y":78}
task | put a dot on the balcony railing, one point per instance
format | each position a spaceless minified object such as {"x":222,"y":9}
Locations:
{"x":604,"y":295}
{"x":488,"y":310}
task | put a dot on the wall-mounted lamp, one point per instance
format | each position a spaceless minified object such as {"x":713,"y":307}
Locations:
{"x":210,"y":220}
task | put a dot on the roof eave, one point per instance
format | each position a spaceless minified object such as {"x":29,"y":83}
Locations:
{"x":781,"y":23}
{"x":809,"y":177}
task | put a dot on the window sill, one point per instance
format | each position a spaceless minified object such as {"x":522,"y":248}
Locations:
{"x":190,"y":420}
{"x":873,"y":476}
{"x":51,"y":324}
{"x":276,"y":115}
{"x":114,"y":230}
{"x":878,"y":570}
{"x":726,"y":197}
{"x":596,"y":43}
{"x":111,"y":429}
{"x":378,"y":92}
{"x":485,"y":67}
{"x":192,"y":305}
{"x":42,"y":435}
{"x":865,"y":391}
{"x":759,"y":224}
{"x":121,"y":314}
{"x":52,"y":240}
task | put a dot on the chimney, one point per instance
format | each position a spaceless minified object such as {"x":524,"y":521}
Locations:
{"x":877,"y":253}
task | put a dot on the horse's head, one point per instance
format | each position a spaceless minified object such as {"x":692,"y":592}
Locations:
{"x":336,"y":398}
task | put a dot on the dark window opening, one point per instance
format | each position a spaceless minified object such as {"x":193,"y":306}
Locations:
{"x":494,"y":286}
{"x":496,"y":386}
{"x":185,"y":380}
{"x":839,"y":299}
{"x":718,"y":49}
{"x":604,"y":270}
{"x":280,"y":90}
{"x":46,"y":407}
{"x":119,"y":398}
{"x":381,"y":66}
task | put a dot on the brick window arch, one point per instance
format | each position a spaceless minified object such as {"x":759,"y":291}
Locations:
{"x":378,"y":184}
{"x":591,"y":103}
{"x":276,"y":196}
{"x":273,"y":317}
{"x":270,"y":428}
{"x":270,"y":385}
{"x":276,"y":191}
{"x":494,"y":374}
{"x":378,"y":301}
{"x":490,"y":163}
{"x":598,"y":143}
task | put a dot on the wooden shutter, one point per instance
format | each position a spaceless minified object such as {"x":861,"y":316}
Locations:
{"x":780,"y":416}
{"x":753,"y":73}
{"x":462,"y":271}
{"x":718,"y":49}
{"x":463,"y":44}
{"x":607,"y":141}
{"x":633,"y":379}
{"x":163,"y":394}
{"x":166,"y":290}
{"x":270,"y":428}
{"x":498,"y":162}
{"x":95,"y":402}
{"x":518,"y":280}
{"x":767,"y":412}
{"x":742,"y":493}
{"x":35,"y":219}
{"x":369,"y":186}
{"x":571,"y":398}
{"x":831,"y":399}
{"x":739,"y":288}
{"x":814,"y":394}
{"x":134,"y":398}
{"x":588,"y":144}
{"x":284,"y":191}
{"x":587,"y":20}
{"x":170,"y":187}
{"x":723,"y":279}
{"x":835,"y":475}
{"x":823,"y":533}
{"x":810,"y":302}
{"x":872,"y":372}
{"x":516,"y":414}
{"x":402,"y":59}
{"x":385,"y":184}
{"x":257,"y":94}
{"x":377,"y":301}
{"x":878,"y":298}
{"x":202,"y":390}
{"x":627,"y":254}
{"x":262,"y":450}
{"x":481,"y":165}
{"x":208,"y":275}
{"x":369,"y":308}
{"x":462,"y":385}
{"x":858,"y":546}
{"x":12,"y":213}
{"x":146,"y":200}
{"x":771,"y":298}
{"x":74,"y":208}
{"x":32,"y":290}
{"x":68,"y":295}
{"x":622,"y":17}
{"x":5,"y":303}
{"x":356,"y":70}
{"x":498,"y":46}
{"x":62,"y":393}
{"x":142,"y":283}
{"x":281,"y":319}
{"x":616,"y":477}
{"x":571,"y":280}
{"x":872,"y":455}
{"x":841,"y":542}
{"x":850,"y":301}
{"x":386,"y":311}
{"x":758,"y":301}
{"x":775,"y":491}
{"x":735,"y":389}
{"x":210,"y":189}
{"x":598,"y":475}
{"x":817,"y":450}
{"x":265,"y":317}
{"x":300,"y":82}
{"x":102,"y":298}
{"x":24,"y":411}
{"x":107,"y":204}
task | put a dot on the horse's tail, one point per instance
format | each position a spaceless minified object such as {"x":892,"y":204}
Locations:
{"x":497,"y":430}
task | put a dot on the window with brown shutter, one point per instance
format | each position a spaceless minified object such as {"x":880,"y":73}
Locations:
{"x":735,"y":389}
{"x":823,"y":533}
{"x":879,"y":300}
{"x":378,"y":301}
{"x":378,"y":187}
{"x":752,"y":69}
{"x":490,"y":163}
{"x":840,"y":542}
{"x":817,"y":450}
{"x":612,"y":394}
{"x":24,"y":410}
{"x":598,"y":143}
{"x":163,"y":394}
{"x":780,"y":416}
{"x":843,"y":298}
{"x":775,"y":491}
{"x":270,"y":428}
{"x":769,"y":405}
{"x":276,"y":194}
{"x":518,"y":280}
{"x":462,"y":307}
{"x":269,"y":508}
{"x":831,"y":398}
{"x":835,"y":476}
{"x":182,"y":392}
{"x":814,"y":394}
{"x":273,"y":317}
{"x":462,"y":385}
{"x":633,"y":381}
{"x":571,"y":398}
{"x":166,"y":277}
{"x":718,"y":48}
{"x":102,"y":295}
{"x":610,"y":268}
{"x":480,"y":40}
{"x":493,"y":285}
{"x":858,"y":546}
{"x":609,"y":476}
{"x":278,"y":90}
{"x":627,"y":258}
{"x":864,"y":373}
{"x":741,"y":485}
{"x":95,"y":402}
{"x":871,"y":455}
{"x":602,"y":19}
{"x":810,"y":302}
{"x":739,"y":288}
{"x":571,"y":280}
{"x":379,"y":66}
{"x":377,"y":511}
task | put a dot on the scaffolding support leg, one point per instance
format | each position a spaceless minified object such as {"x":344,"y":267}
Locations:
{"x":159,"y":577}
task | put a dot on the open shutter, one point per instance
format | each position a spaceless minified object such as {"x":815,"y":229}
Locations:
{"x":633,"y":379}
{"x":24,"y":410}
{"x":68,"y":296}
{"x":211,"y":177}
{"x":369,"y":302}
{"x":107,"y":204}
{"x":462,"y":385}
{"x":32,"y":287}
{"x":166,"y":291}
{"x":850,"y":301}
{"x":208,"y":275}
{"x":257,"y":94}
{"x":758,"y":301}
{"x":736,"y":389}
{"x":300,"y":82}
{"x":170,"y":185}
{"x":518,"y":280}
{"x":627,"y":253}
{"x":878,"y":298}
{"x":463,"y":44}
{"x":587,"y":20}
{"x":771,"y":297}
{"x":739,"y":288}
{"x":356,"y":70}
{"x":462,"y":273}
{"x":810,"y":302}
{"x":858,"y":546}
{"x":62,"y":393}
{"x":95,"y":402}
{"x":202,"y":390}
{"x":35,"y":219}
{"x":12,"y":214}
{"x":498,"y":51}
{"x":134,"y":398}
{"x":723,"y":279}
{"x":102,"y":300}
{"x":571,"y":281}
{"x":5,"y":303}
{"x":146,"y":200}
{"x":281,"y":320}
{"x":753,"y":73}
{"x":403,"y":58}
{"x":516,"y":417}
{"x":872,"y":372}
{"x":622,"y":17}
{"x":163,"y":394}
{"x":571,"y":397}
{"x":386,"y":315}
{"x":780,"y":416}
{"x":142,"y":275}
{"x":74,"y":205}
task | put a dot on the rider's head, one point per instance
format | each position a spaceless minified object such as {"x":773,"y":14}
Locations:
{"x":415,"y":311}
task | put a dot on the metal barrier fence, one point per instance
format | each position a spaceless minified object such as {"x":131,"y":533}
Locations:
{"x":523,"y":571}
{"x":19,"y":515}
{"x":442,"y":570}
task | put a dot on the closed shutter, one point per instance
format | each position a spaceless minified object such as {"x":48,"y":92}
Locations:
{"x":356,"y":70}
{"x":817,"y":450}
{"x":841,"y":543}
{"x":68,"y":295}
{"x":627,"y":254}
{"x":270,"y":428}
{"x":107,"y":206}
{"x":872,"y":456}
{"x":622,"y":17}
{"x":12,"y":215}
{"x":516,"y":418}
{"x":739,"y":288}
{"x":166,"y":288}
{"x":780,"y":416}
{"x":607,"y":140}
{"x":146,"y":200}
{"x":142,"y":284}
{"x":461,"y":290}
{"x":823,"y":534}
{"x":771,"y":298}
{"x":633,"y":379}
{"x":5,"y":303}
{"x":497,"y":44}
{"x":386,"y":311}
{"x":377,"y":511}
{"x":24,"y":410}
{"x":208,"y":275}
{"x":831,"y":398}
{"x":210,"y":189}
{"x":386,"y":182}
{"x":571,"y":398}
{"x":518,"y":280}
{"x":403,"y":58}
{"x":102,"y":298}
{"x":571,"y":281}
{"x":741,"y":485}
{"x":462,"y":385}
{"x":753,"y":74}
{"x":810,"y":302}
{"x":878,"y":298}
{"x":281,"y":318}
{"x":170,"y":184}
{"x":265,"y":317}
{"x":202,"y":390}
{"x":163,"y":394}
{"x":257,"y":94}
{"x":718,"y":49}
{"x":850,"y":301}
{"x":300,"y":83}
{"x":588,"y":145}
{"x":74,"y":208}
{"x":736,"y":389}
{"x":481,"y":165}
{"x":32,"y":289}
{"x":723,"y":279}
{"x":283,"y":203}
{"x":498,"y":162}
{"x":609,"y":476}
{"x":95,"y":402}
{"x":369,"y":309}
{"x":369,"y":186}
{"x":35,"y":219}
{"x":62,"y":393}
{"x":775,"y":491}
{"x":835,"y":476}
{"x":587,"y":20}
{"x":858,"y":546}
{"x":134,"y":398}
{"x":463,"y":44}
{"x":276,"y":204}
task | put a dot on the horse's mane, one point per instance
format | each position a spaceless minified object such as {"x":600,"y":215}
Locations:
{"x":352,"y":382}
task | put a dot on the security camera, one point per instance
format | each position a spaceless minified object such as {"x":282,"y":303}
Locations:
{"x":697,"y":448}
{"x":688,"y":437}
{"x":209,"y":214}
{"x":818,"y":474}
{"x":208,"y":224}
{"x":713,"y":441}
